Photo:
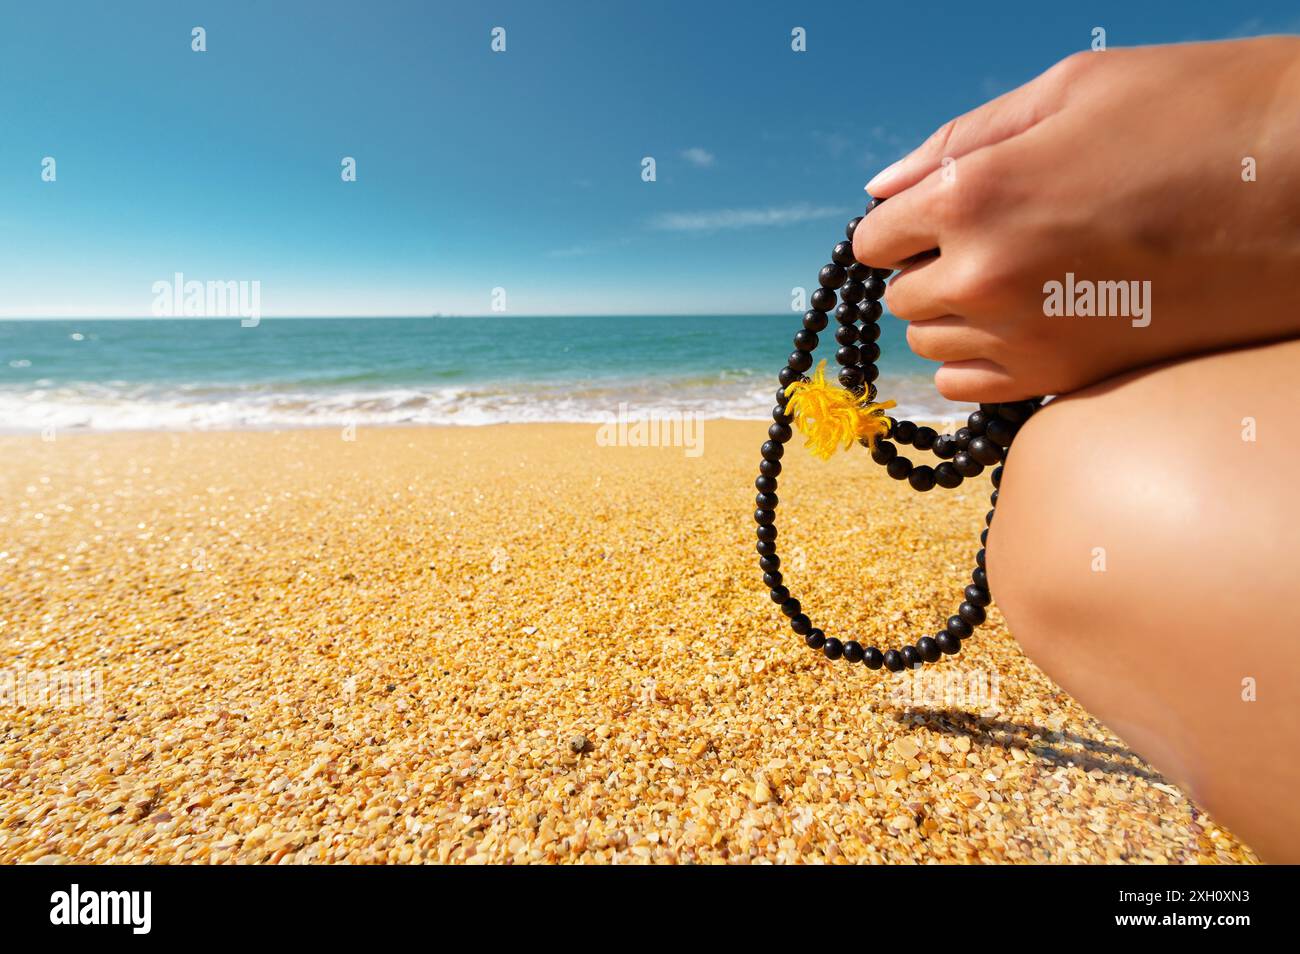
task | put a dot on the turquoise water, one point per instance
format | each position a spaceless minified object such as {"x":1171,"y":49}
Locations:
{"x":194,"y":373}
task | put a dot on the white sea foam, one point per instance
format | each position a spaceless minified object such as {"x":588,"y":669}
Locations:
{"x":119,"y":405}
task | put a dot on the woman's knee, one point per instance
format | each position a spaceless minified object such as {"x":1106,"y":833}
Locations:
{"x":1142,"y":555}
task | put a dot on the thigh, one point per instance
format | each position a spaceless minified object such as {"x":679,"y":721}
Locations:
{"x":1145,"y":554}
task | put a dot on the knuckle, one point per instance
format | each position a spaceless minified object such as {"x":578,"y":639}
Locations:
{"x":940,"y":138}
{"x":974,"y":281}
{"x":969,"y":195}
{"x":1074,"y":65}
{"x":897,"y":299}
{"x":921,"y":341}
{"x":862,"y":246}
{"x":956,"y":385}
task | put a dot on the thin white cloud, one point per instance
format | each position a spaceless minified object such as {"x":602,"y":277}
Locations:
{"x":699,"y":157}
{"x":1257,"y":26}
{"x":719,"y":219}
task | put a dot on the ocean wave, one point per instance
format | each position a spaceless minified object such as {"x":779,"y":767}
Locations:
{"x":135,"y":406}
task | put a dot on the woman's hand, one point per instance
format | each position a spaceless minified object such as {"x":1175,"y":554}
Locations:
{"x":1176,"y":168}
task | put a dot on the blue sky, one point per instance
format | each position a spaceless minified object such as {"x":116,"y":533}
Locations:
{"x":476,"y":169}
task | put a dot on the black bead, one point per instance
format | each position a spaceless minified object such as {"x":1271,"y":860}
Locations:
{"x":853,"y":224}
{"x":903,"y":431}
{"x":823,"y":299}
{"x":806,"y":340}
{"x":976,"y":422}
{"x":985,"y":451}
{"x":791,"y":607}
{"x":1000,"y":431}
{"x":911,"y":657}
{"x":847,"y":355}
{"x":993,"y":498}
{"x":782,"y":399}
{"x":788,"y":376}
{"x":872,"y":204}
{"x":779,"y":415}
{"x":833,"y":648}
{"x":799,"y":360}
{"x":980,"y":578}
{"x":765,"y":548}
{"x":945,"y":447}
{"x":1017,"y":412}
{"x":852,"y":292}
{"x":928,"y":649}
{"x":966,"y":465}
{"x":764,"y":517}
{"x":882,"y":273}
{"x":833,"y":275}
{"x":846,"y":334}
{"x":872,"y":658}
{"x":894,"y":661}
{"x":773,"y":578}
{"x":971,"y":613}
{"x":948,"y":644}
{"x":766,"y":501}
{"x":874,"y":288}
{"x":815,"y":638}
{"x":899,"y":468}
{"x":769,"y":468}
{"x":765,"y":484}
{"x":870,"y":350}
{"x":842,"y":254}
{"x":984,"y":538}
{"x":769,"y":563}
{"x":851,"y":378}
{"x":921,"y":478}
{"x":959,"y":627}
{"x":979,"y":558}
{"x":780,"y":433}
{"x":846,"y":314}
{"x":924,"y":438}
{"x":962,"y":436}
{"x":771,"y":450}
{"x":853,"y":651}
{"x":883,"y":452}
{"x":779,"y":594}
{"x":767,"y":533}
{"x":869,"y":332}
{"x":814,"y":321}
{"x":800,"y":623}
{"x":946,"y":476}
{"x":859,"y":272}
{"x":977,"y":595}
{"x":869,"y":372}
{"x":996,"y":476}
{"x":869,"y":311}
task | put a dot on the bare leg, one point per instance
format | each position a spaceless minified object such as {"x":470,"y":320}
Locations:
{"x":1146,"y":553}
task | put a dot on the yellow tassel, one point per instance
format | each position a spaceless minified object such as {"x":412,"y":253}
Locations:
{"x":831,"y":417}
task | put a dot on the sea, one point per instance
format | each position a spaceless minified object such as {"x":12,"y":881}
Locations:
{"x":215,"y":373}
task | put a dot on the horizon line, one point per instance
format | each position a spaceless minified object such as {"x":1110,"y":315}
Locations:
{"x":488,"y":315}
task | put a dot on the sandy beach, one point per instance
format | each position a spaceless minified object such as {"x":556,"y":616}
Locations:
{"x":512,"y":644}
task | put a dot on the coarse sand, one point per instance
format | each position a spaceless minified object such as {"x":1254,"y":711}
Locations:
{"x":512,"y":644}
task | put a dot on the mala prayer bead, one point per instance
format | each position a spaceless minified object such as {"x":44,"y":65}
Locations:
{"x":833,"y":417}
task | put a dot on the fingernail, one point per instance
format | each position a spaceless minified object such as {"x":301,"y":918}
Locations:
{"x":882,"y":177}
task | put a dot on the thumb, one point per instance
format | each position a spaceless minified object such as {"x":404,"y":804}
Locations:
{"x":995,"y":121}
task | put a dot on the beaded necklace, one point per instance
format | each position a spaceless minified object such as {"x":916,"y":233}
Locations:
{"x":831,"y":418}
